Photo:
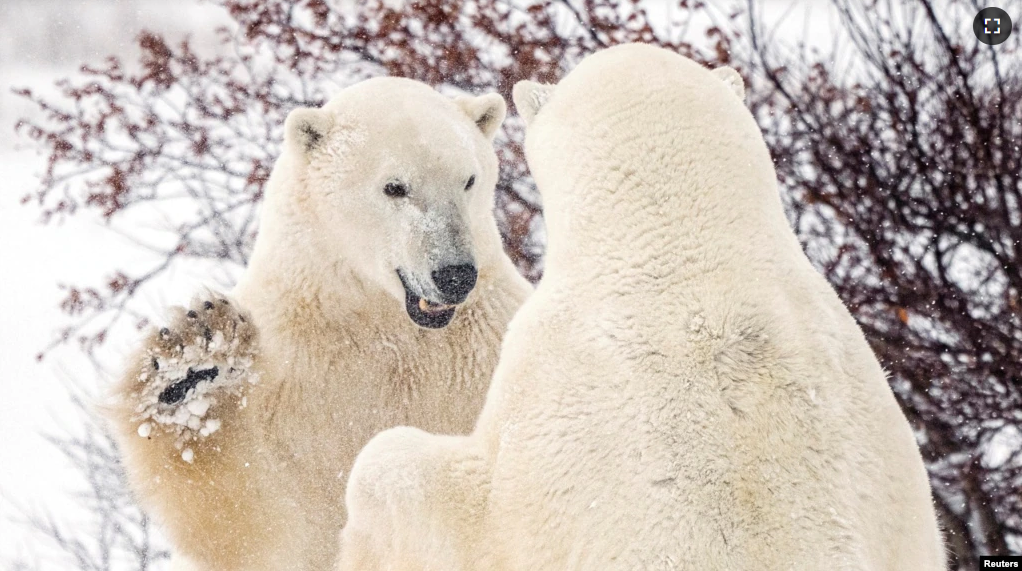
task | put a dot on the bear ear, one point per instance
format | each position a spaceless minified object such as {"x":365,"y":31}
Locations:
{"x":530,"y":97}
{"x":732,"y":79}
{"x":486,"y":111}
{"x":305,"y":129}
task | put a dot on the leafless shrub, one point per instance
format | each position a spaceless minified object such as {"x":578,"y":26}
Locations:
{"x":113,"y":533}
{"x":193,"y":139}
{"x":903,"y":176}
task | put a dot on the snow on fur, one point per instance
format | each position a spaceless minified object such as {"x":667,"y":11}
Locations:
{"x":203,"y":357}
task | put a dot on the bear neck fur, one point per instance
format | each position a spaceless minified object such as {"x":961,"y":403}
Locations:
{"x":696,"y":232}
{"x":651,"y":170}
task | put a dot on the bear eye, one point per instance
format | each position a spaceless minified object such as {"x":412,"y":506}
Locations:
{"x":395,"y":189}
{"x":471,"y":182}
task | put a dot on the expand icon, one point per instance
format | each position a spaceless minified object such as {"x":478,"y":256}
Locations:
{"x":992,"y":26}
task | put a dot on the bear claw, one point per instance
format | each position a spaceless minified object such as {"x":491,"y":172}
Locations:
{"x":204,"y":356}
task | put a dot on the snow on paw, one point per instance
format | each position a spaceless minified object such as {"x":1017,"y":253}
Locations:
{"x":204,"y":356}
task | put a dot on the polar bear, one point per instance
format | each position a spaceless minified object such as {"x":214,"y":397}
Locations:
{"x":377,"y":295}
{"x":682,"y":391}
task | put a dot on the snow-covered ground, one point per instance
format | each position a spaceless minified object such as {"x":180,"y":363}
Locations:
{"x":40,"y":42}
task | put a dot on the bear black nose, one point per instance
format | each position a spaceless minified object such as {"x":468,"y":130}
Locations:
{"x":454,"y":282}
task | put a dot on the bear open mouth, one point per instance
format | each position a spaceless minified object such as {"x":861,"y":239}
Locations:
{"x":424,"y":312}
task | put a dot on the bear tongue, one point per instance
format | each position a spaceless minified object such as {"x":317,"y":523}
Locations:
{"x":429,"y":307}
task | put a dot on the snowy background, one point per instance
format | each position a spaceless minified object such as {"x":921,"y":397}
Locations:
{"x":42,"y":41}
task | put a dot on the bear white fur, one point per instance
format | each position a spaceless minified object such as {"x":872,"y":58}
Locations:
{"x":682,"y":391}
{"x":239,"y":421}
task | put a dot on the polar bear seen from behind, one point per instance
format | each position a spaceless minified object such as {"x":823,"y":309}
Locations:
{"x":376,"y":296}
{"x":682,"y":391}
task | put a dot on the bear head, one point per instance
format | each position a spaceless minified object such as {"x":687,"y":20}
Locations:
{"x":637,"y":141}
{"x":397,"y":181}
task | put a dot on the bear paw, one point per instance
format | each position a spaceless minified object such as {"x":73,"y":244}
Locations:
{"x":205,"y":355}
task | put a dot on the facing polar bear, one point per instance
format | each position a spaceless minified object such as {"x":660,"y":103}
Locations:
{"x":377,"y":295}
{"x":682,"y":391}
